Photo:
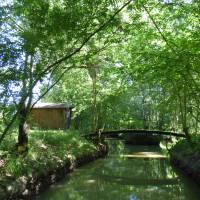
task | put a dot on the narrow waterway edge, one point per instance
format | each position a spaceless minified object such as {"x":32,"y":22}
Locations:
{"x":27,"y":188}
{"x":189,"y":164}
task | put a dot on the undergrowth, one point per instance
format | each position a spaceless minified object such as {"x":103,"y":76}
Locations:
{"x":47,"y":150}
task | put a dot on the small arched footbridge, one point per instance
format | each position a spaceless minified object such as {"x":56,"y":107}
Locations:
{"x":118,"y":133}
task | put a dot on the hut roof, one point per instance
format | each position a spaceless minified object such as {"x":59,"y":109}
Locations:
{"x":52,"y":105}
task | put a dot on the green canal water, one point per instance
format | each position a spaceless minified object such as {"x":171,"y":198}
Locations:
{"x":127,"y":173}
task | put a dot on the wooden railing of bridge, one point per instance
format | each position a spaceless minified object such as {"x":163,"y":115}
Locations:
{"x":134,"y":131}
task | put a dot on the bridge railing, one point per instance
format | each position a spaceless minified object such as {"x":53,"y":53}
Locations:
{"x":135,"y":131}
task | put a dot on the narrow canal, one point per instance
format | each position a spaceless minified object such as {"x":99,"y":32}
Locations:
{"x":127,"y":173}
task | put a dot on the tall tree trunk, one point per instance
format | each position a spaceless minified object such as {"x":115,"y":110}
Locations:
{"x":197,"y":122}
{"x":93,"y":76}
{"x":22,"y":145}
{"x":27,"y":82}
{"x":183,"y":109}
{"x":95,"y":115}
{"x":22,"y":129}
{"x":185,"y":126}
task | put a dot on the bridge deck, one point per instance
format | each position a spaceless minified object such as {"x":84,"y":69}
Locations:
{"x":135,"y":131}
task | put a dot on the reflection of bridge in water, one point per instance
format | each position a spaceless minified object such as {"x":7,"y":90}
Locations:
{"x":139,"y":156}
{"x":128,"y":172}
{"x":143,"y":155}
{"x":140,"y":182}
{"x":148,"y":168}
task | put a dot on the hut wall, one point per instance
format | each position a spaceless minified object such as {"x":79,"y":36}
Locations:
{"x":49,"y":118}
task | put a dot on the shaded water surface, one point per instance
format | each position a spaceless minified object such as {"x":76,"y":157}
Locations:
{"x":128,"y":172}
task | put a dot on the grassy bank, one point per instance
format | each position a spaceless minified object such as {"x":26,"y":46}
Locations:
{"x":187,"y":157}
{"x":48,"y":151}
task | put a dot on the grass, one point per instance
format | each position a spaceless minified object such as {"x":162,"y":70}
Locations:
{"x":47,"y":151}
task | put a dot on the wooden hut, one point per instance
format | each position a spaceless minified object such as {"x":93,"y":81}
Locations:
{"x":51,"y":115}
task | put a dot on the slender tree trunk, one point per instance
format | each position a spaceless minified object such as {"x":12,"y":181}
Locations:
{"x":196,"y":122}
{"x":22,"y":128}
{"x":95,"y":115}
{"x":93,"y":75}
{"x":27,"y":82}
{"x":183,"y":109}
{"x":185,"y":126}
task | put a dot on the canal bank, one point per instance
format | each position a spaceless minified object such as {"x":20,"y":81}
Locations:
{"x":27,"y":188}
{"x":187,"y":157}
{"x":127,"y":173}
{"x":52,"y":155}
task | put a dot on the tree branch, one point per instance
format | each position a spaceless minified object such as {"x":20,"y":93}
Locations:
{"x":56,"y":64}
{"x":159,"y":31}
{"x":66,"y":57}
{"x":50,"y":87}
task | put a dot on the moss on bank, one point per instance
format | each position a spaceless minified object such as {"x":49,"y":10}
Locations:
{"x":50,"y":155}
{"x":187,"y":157}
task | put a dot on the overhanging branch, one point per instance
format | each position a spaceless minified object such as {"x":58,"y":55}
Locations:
{"x":55,"y":66}
{"x":66,"y":57}
{"x":159,"y":31}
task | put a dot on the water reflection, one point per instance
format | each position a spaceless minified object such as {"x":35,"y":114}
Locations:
{"x":123,"y":177}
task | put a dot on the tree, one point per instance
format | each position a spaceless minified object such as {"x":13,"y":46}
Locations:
{"x":41,"y":41}
{"x":148,"y":48}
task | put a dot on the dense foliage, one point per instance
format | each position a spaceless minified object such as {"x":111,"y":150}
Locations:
{"x":148,"y":77}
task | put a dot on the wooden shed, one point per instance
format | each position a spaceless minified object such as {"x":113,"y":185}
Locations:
{"x":51,"y":115}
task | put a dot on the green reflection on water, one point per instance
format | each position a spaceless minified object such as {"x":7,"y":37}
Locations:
{"x":119,"y":177}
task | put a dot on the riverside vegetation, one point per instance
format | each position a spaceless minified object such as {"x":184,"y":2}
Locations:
{"x":186,"y":156}
{"x":121,"y":63}
{"x":48,"y":151}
